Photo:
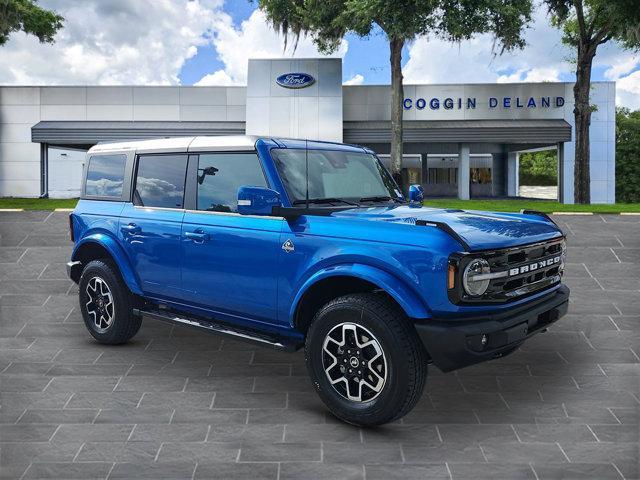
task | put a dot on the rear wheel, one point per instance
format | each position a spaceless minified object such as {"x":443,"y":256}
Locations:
{"x":365,"y":359}
{"x":107,"y":304}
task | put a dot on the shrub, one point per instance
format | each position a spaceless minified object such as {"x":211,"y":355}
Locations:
{"x":627,"y":156}
{"x":539,"y":168}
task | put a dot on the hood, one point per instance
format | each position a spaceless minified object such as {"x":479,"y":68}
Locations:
{"x":480,"y":230}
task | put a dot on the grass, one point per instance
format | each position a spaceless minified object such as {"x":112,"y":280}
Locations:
{"x":488,"y":205}
{"x":546,"y":206}
{"x":38,"y":203}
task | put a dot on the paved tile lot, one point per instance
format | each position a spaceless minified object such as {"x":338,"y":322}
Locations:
{"x":174,"y":404}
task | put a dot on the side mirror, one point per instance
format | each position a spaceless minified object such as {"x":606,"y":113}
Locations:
{"x":257,"y":200}
{"x":416,"y":195}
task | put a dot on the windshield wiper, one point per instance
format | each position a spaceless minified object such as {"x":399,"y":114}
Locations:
{"x":324,"y":200}
{"x":379,"y":198}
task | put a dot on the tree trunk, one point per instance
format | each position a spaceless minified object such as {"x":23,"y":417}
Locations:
{"x":397,"y":98}
{"x":582,"y":114}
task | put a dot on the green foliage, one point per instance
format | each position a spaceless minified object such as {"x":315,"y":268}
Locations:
{"x":586,"y":22}
{"x":37,"y":203}
{"x":539,"y":168}
{"x":547,"y":206}
{"x":28,"y":17}
{"x":627,"y":155}
{"x":327,"y":21}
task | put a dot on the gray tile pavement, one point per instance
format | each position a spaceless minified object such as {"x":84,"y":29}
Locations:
{"x":176,"y":404}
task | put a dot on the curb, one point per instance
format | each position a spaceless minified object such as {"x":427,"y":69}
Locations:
{"x":11,"y":209}
{"x":572,"y":213}
{"x":63,"y":210}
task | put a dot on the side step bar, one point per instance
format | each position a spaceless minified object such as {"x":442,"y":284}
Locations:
{"x":211,"y":326}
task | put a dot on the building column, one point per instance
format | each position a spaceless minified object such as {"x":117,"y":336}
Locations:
{"x":561,"y":176}
{"x":513,"y":167}
{"x":498,"y":174}
{"x":44,"y":170}
{"x":425,"y":170}
{"x":463,"y":171}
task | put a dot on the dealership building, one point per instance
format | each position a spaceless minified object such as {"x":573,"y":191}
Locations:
{"x":460,"y":140}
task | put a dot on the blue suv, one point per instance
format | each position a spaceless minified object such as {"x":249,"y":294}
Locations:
{"x":293,"y":243}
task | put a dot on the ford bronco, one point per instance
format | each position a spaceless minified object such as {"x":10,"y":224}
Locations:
{"x":293,"y":243}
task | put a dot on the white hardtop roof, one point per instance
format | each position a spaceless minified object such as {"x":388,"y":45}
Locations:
{"x":180,"y":144}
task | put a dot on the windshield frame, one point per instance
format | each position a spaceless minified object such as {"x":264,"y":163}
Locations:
{"x":344,"y":202}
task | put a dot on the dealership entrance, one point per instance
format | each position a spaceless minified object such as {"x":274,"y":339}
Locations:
{"x":486,"y":165}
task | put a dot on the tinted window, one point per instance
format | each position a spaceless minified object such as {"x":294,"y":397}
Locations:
{"x":105,"y":175}
{"x":160,"y":181}
{"x":221,"y":174}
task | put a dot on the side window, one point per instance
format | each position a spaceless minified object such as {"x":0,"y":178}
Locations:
{"x":221,"y":174}
{"x":160,"y":181}
{"x":105,"y":176}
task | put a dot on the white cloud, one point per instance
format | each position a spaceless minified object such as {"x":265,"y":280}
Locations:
{"x":531,"y":75}
{"x":622,"y":65}
{"x":357,"y":79}
{"x":253,"y":39}
{"x":621,"y":69}
{"x":628,"y":91}
{"x":143,"y":42}
{"x":114,"y":42}
{"x":436,"y":61}
{"x":219,"y":77}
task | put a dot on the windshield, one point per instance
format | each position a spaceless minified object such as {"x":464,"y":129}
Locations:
{"x":336,"y":175}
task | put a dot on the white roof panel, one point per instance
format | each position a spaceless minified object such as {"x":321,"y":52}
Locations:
{"x":157,"y":145}
{"x":223,"y":143}
{"x":181,"y":144}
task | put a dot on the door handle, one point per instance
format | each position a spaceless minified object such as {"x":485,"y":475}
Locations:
{"x":132,"y":229}
{"x":197,"y":236}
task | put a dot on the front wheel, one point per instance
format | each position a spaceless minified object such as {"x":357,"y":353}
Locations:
{"x":107,"y":304}
{"x":365,"y":359}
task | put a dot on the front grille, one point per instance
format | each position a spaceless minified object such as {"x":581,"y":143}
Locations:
{"x":523,"y":271}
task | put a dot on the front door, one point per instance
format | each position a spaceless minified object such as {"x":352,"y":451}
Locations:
{"x":150,"y":227}
{"x":229,"y":260}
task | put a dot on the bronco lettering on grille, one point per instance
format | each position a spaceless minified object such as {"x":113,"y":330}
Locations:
{"x":535,"y":266}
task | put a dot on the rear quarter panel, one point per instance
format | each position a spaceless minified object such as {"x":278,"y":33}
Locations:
{"x":98,"y":221}
{"x":91,"y":216}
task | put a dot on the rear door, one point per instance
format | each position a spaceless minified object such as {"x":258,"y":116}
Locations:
{"x":150,"y":226}
{"x":229,"y":260}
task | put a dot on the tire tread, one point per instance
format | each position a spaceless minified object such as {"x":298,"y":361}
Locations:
{"x":127,"y":325}
{"x":379,"y":305}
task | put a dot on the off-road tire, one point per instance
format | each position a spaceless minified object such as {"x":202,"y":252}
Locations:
{"x":406,"y":358}
{"x":124,"y":324}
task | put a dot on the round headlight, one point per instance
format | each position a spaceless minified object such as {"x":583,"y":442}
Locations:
{"x":475,"y":287}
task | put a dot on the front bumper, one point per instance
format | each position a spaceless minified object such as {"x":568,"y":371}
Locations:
{"x":454,"y":344}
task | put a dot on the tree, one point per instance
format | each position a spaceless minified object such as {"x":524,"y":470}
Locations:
{"x":327,"y":21}
{"x":28,"y":17}
{"x":587,"y":24}
{"x":539,"y":168}
{"x":627,"y":155}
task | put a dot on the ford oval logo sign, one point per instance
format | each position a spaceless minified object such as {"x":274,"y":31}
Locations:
{"x":295,"y":80}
